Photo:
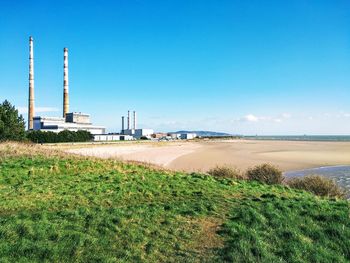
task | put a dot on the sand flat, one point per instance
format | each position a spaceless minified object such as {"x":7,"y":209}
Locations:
{"x":203,"y":155}
{"x":156,"y":153}
{"x":288,"y":155}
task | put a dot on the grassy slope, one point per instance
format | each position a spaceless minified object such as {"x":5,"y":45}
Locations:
{"x":64,"y":208}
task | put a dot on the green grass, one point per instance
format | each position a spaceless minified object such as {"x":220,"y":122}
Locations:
{"x":56,"y":208}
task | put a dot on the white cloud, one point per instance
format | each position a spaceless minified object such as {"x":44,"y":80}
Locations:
{"x":23,"y":110}
{"x":286,"y":115}
{"x":250,"y":118}
{"x":254,"y":118}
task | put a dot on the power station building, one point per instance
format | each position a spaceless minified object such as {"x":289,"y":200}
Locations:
{"x":57,"y":124}
{"x":73,"y":121}
{"x":133,"y":131}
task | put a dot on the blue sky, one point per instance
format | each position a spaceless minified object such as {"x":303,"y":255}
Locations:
{"x":246,"y":67}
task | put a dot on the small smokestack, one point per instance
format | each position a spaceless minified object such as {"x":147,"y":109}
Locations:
{"x":122,"y":124}
{"x":65,"y":82}
{"x":134,"y":120}
{"x":31,"y":85}
{"x":128,"y":121}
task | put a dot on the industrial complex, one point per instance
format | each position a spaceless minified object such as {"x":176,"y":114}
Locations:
{"x":75,"y":121}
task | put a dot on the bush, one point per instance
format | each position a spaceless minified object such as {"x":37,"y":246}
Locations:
{"x":318,"y":185}
{"x":63,"y":136}
{"x":265,"y":173}
{"x":227,"y":172}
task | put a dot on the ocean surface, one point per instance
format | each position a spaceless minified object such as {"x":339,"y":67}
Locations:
{"x":326,"y":138}
{"x":340,"y":173}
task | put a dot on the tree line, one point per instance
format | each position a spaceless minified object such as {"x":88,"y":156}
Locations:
{"x":12,"y":128}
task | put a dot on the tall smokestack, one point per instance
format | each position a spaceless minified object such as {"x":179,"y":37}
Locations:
{"x":65,"y":82}
{"x":122,"y":124}
{"x":31,"y":85}
{"x":134,"y":120}
{"x":128,"y":121}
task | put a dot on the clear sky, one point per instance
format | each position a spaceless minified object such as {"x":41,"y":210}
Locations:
{"x":244,"y":67}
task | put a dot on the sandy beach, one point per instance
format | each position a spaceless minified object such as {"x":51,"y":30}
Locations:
{"x":161,"y":154}
{"x":201,"y":156}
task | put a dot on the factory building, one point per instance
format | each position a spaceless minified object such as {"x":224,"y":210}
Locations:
{"x":57,"y":124}
{"x":112,"y":137}
{"x":133,"y":131}
{"x":188,"y":136}
{"x":73,"y":121}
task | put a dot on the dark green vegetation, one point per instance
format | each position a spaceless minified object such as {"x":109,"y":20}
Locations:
{"x":63,"y":136}
{"x":12,"y":125}
{"x":62,"y":208}
{"x":318,"y":185}
{"x":12,"y":128}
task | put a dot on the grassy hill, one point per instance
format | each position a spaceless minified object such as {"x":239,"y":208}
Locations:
{"x":62,"y":208}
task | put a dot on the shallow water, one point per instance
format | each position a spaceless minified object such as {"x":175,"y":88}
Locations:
{"x":340,"y":173}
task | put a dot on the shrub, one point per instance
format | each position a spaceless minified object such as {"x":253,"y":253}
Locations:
{"x":318,"y":185}
{"x":227,"y":172}
{"x":265,"y":173}
{"x":63,"y":136}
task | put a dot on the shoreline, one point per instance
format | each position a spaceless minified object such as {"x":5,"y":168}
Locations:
{"x":200,"y":156}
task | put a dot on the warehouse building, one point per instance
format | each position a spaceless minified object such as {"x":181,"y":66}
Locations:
{"x":188,"y":136}
{"x":112,"y":137}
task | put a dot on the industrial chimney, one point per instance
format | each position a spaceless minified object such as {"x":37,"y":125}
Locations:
{"x":31,"y":85}
{"x":134,"y":120}
{"x":128,"y":121}
{"x":65,"y":82}
{"x":122,"y":124}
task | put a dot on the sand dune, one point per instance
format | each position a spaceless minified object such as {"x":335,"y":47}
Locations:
{"x":201,"y":156}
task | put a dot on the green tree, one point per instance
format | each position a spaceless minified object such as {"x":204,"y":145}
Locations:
{"x":12,"y":125}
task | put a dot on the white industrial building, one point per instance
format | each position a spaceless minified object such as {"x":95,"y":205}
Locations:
{"x":138,"y":133}
{"x":74,"y":122}
{"x":112,"y":137}
{"x":188,"y":136}
{"x":133,"y":131}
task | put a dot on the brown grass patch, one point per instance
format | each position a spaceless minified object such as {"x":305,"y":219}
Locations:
{"x":207,"y":240}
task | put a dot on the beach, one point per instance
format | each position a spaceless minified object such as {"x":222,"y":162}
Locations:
{"x":193,"y":156}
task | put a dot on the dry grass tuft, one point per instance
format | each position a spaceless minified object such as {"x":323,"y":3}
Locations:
{"x":11,"y":149}
{"x":265,"y":173}
{"x":227,"y":172}
{"x":318,"y":185}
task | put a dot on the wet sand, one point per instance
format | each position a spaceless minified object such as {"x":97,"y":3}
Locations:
{"x":201,"y":156}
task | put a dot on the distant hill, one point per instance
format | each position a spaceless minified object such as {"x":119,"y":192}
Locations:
{"x":205,"y":133}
